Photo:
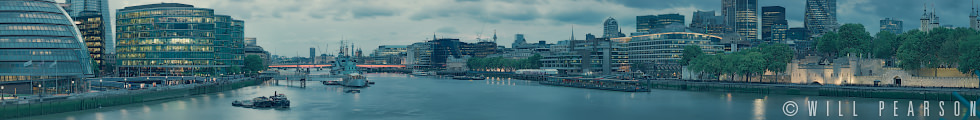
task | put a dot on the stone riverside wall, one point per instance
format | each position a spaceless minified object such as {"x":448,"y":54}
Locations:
{"x":98,"y":101}
{"x":944,"y":94}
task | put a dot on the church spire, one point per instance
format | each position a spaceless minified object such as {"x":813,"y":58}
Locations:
{"x":573,"y":32}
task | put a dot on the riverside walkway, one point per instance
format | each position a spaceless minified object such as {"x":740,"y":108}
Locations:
{"x":34,"y":105}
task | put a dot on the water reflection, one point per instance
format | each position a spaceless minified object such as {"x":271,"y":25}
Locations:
{"x":759,"y":109}
{"x":405,"y":97}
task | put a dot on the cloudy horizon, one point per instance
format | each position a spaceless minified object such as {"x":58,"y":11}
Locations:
{"x":291,"y":27}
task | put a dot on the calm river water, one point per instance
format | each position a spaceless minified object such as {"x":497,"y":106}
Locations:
{"x":406,"y":97}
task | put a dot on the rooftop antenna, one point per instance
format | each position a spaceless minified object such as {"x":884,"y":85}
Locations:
{"x":494,"y":35}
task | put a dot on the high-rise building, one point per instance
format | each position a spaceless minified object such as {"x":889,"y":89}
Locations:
{"x":76,"y":8}
{"x":611,"y":29}
{"x":229,"y":42}
{"x":774,"y":18}
{"x":707,"y":22}
{"x":891,"y":25}
{"x":172,"y":39}
{"x":90,"y":24}
{"x":312,"y":54}
{"x":41,"y":51}
{"x":651,"y":23}
{"x":821,"y":16}
{"x":742,"y":17}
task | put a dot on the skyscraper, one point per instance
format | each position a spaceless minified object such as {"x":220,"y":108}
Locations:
{"x":821,"y":16}
{"x":98,"y":8}
{"x":891,"y":25}
{"x":611,"y":29}
{"x":707,"y":22}
{"x":312,"y":55}
{"x":742,"y":17}
{"x":40,"y":49}
{"x":90,"y":24}
{"x":774,"y":24}
{"x":650,"y":23}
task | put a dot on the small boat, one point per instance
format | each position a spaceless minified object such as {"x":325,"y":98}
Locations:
{"x":477,"y":78}
{"x":236,"y":103}
{"x":331,"y":83}
{"x":279,"y":101}
{"x":248,"y":104}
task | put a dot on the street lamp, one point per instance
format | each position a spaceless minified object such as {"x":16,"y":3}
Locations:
{"x":2,"y":97}
{"x":72,"y":89}
{"x":41,"y":95}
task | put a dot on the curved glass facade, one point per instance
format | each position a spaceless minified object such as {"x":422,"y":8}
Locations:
{"x":41,"y":50}
{"x":166,"y":39}
{"x":661,"y":52}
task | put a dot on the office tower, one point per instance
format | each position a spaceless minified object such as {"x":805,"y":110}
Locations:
{"x":774,"y":18}
{"x":821,"y":16}
{"x":742,"y":17}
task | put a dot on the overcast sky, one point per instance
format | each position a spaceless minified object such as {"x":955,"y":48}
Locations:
{"x":291,"y":27}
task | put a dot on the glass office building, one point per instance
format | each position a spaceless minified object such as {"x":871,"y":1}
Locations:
{"x":660,"y":53}
{"x":229,"y":43}
{"x":166,"y":39}
{"x":41,"y":50}
{"x":92,"y":28}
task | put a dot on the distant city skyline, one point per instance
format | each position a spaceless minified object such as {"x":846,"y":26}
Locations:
{"x":282,"y":25}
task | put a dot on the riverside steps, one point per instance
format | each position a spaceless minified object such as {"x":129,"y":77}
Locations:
{"x":93,"y":100}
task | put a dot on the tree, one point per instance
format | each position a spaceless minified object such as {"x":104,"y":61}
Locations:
{"x":777,"y":56}
{"x":908,"y":54}
{"x":690,"y":52}
{"x":828,"y":44}
{"x":254,"y":64}
{"x":969,"y":60}
{"x":850,"y":38}
{"x":854,"y":38}
{"x":885,"y":45}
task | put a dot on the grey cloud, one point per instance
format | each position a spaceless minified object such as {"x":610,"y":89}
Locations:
{"x":447,"y":30}
{"x":363,"y":12}
{"x":578,"y":16}
{"x":661,"y":4}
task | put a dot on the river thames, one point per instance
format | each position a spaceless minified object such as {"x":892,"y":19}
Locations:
{"x":406,"y":97}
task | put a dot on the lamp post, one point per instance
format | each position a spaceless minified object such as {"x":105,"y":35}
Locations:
{"x":41,"y":96}
{"x":2,"y":98}
{"x":72,"y":89}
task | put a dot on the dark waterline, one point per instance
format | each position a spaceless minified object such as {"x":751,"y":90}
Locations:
{"x":405,"y":97}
